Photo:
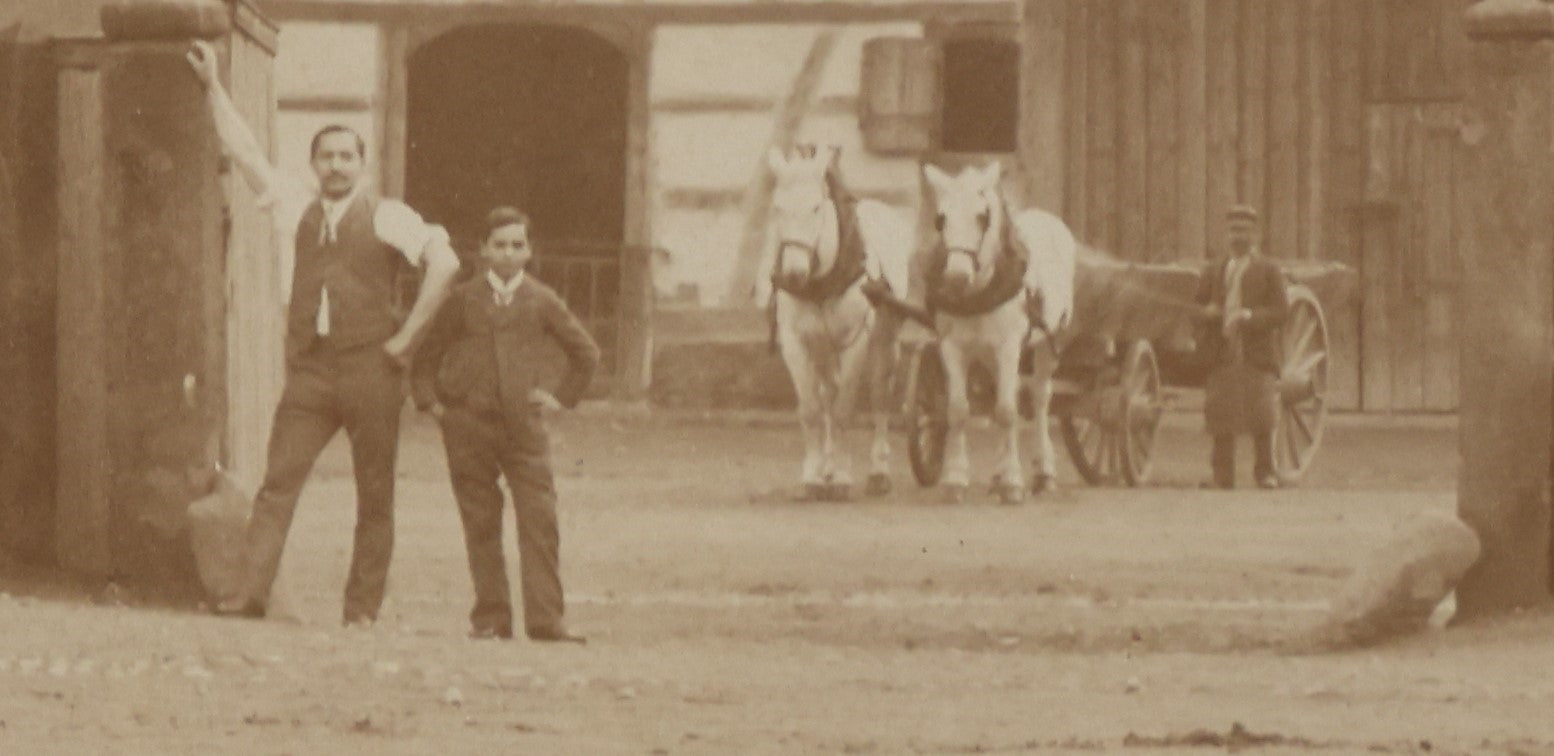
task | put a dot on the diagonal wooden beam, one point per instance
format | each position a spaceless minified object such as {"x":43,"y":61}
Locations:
{"x":787,"y":117}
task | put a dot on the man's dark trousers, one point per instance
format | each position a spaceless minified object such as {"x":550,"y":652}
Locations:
{"x":361,"y":390}
{"x":1224,"y":458}
{"x":481,"y":446}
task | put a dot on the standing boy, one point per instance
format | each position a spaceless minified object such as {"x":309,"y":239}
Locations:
{"x":481,"y":374}
{"x":1243,"y":303}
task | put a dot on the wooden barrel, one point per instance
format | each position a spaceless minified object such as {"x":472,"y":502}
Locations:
{"x":899,"y":99}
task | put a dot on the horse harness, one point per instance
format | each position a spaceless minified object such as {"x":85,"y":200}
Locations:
{"x":847,"y":269}
{"x":1008,"y":281}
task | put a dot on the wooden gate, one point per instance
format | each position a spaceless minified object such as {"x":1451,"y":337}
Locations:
{"x":588,"y":277}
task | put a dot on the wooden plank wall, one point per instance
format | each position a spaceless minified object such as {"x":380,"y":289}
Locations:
{"x":1176,"y":109}
{"x":1407,"y":254}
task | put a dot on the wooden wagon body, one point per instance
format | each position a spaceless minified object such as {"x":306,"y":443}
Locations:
{"x":1132,"y":336}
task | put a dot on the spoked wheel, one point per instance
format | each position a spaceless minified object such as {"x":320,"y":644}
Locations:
{"x":927,"y":417}
{"x":1110,"y":430}
{"x":1302,"y":387}
{"x":1142,"y":406}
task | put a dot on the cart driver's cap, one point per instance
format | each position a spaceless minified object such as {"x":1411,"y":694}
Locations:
{"x":1242,"y":215}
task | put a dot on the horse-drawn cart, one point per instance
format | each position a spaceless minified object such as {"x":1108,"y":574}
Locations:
{"x":1132,"y":336}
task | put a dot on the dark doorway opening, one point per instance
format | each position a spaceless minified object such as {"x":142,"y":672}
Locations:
{"x":532,"y":116}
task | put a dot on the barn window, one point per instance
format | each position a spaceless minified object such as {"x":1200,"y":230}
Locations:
{"x":980,"y":95}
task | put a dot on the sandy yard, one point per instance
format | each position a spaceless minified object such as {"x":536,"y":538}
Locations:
{"x":724,"y":619}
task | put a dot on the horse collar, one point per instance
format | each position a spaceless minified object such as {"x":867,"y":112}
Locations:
{"x":849,"y":264}
{"x":1007,"y":281}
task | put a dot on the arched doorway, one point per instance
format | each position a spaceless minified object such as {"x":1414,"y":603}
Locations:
{"x":533,"y":116}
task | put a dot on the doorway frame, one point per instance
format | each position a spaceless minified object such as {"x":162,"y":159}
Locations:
{"x":401,"y":38}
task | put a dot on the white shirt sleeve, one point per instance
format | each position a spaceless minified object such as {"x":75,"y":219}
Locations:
{"x":286,"y":200}
{"x":403,"y":229}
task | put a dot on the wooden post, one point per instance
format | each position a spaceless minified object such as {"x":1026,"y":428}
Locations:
{"x":1042,"y":93}
{"x":1505,"y":202}
{"x":634,"y":353}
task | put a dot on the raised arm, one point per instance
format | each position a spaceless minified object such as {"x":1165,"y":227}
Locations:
{"x":237,"y":139}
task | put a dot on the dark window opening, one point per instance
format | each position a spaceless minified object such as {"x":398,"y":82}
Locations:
{"x":981,"y":102}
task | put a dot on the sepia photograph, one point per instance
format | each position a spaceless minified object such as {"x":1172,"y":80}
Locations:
{"x":776,"y":376}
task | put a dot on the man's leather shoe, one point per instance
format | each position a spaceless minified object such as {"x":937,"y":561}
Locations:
{"x":491,"y":633}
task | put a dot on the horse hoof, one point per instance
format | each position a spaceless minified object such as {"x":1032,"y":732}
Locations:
{"x":1011,"y":494}
{"x":839,"y":492}
{"x":1044,"y":484}
{"x":877,"y":485}
{"x":954,"y":493}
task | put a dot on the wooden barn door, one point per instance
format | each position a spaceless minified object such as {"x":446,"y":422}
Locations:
{"x":1409,"y":266}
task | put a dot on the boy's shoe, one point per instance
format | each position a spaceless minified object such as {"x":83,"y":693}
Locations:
{"x":556,"y":635}
{"x":1269,"y":482}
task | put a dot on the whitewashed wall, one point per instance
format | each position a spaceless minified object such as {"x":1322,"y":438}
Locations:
{"x":709,"y":150}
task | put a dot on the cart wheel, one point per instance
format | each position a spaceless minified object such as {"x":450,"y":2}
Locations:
{"x":1302,"y":387}
{"x":927,"y":416}
{"x":1140,"y":411}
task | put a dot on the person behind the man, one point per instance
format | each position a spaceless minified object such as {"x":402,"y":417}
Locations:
{"x":1243,"y":303}
{"x":482,"y":374}
{"x":347,"y":342}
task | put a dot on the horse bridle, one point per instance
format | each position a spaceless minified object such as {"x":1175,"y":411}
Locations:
{"x":972,"y":253}
{"x":812,"y":248}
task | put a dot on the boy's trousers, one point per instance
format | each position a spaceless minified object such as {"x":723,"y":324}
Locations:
{"x":481,"y":447}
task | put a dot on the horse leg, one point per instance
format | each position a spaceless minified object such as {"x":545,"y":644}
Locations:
{"x":884,"y":358}
{"x":806,"y":387}
{"x":1043,"y":367}
{"x":957,"y":466}
{"x":1009,"y":482}
{"x":849,"y":370}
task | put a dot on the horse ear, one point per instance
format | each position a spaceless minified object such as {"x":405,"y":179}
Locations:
{"x":993,"y":174}
{"x":776,"y":160}
{"x":938,"y":180}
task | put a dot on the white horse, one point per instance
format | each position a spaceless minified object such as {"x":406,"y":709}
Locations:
{"x":829,"y":247}
{"x":995,"y":286}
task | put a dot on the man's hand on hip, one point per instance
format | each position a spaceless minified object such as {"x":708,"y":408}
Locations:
{"x":398,"y":350}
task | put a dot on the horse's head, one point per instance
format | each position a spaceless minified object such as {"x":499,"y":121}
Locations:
{"x":968,"y":214}
{"x":803,"y":214}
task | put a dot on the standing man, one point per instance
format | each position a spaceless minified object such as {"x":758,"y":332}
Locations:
{"x":347,"y":342}
{"x":1243,"y":304}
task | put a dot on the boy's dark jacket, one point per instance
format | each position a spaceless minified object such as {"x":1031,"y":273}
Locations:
{"x":487,"y":357}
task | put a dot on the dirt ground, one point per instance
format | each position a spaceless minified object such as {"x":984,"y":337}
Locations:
{"x":723,"y":618}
